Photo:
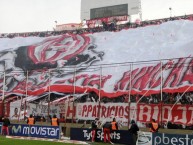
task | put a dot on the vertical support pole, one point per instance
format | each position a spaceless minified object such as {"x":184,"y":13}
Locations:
{"x":26,"y":87}
{"x":49,"y":93}
{"x":99,"y":100}
{"x":74,"y":91}
{"x":3,"y":94}
{"x":26,"y":93}
{"x":140,"y":11}
{"x":130,"y":89}
{"x":161,"y":91}
{"x":18,"y":119}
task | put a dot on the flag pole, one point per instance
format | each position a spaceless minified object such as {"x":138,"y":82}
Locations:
{"x":26,"y":93}
{"x":161,"y":89}
{"x":99,"y":102}
{"x":3,"y":95}
{"x":49,"y":93}
{"x":130,"y":89}
{"x":74,"y":91}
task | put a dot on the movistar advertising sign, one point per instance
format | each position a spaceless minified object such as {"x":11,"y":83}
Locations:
{"x":35,"y":131}
{"x":1,"y":124}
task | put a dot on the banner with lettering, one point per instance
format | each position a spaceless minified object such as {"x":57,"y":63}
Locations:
{"x":178,"y":114}
{"x":148,"y":138}
{"x":106,"y":20}
{"x":142,"y":113}
{"x":107,"y":111}
{"x":172,"y":139}
{"x":70,"y":26}
{"x":52,"y":132}
{"x":117,"y":137}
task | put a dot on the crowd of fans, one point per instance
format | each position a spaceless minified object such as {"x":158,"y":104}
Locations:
{"x":167,"y":98}
{"x":104,"y":27}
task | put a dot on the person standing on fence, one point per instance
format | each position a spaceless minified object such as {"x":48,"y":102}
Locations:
{"x":107,"y":127}
{"x":154,"y":126}
{"x":55,"y":121}
{"x":133,"y":130}
{"x":6,"y":124}
{"x":94,"y":125}
{"x":31,"y":120}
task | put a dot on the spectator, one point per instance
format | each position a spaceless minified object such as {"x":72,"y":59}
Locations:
{"x":107,"y":130}
{"x":188,"y":98}
{"x":177,"y":98}
{"x":133,"y":130}
{"x":191,"y":98}
{"x":94,"y":128}
{"x":105,"y":26}
{"x":6,"y":124}
{"x":138,"y":22}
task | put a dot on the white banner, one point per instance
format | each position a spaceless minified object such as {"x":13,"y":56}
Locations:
{"x":60,"y":110}
{"x":71,"y":26}
{"x":17,"y":110}
{"x":89,"y":111}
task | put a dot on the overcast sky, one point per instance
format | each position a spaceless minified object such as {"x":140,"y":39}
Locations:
{"x":40,"y":15}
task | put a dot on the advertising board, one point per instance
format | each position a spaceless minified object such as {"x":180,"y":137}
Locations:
{"x":172,"y":139}
{"x":1,"y":124}
{"x":100,"y":8}
{"x":147,"y":138}
{"x":51,"y":132}
{"x":84,"y":134}
{"x":124,"y":137}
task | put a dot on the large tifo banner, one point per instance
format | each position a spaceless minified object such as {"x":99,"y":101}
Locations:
{"x":51,"y":132}
{"x":83,"y":134}
{"x":84,"y":53}
{"x":1,"y":126}
{"x":145,"y":138}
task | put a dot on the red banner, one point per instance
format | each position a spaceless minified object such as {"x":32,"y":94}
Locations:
{"x":179,"y":114}
{"x":106,"y":20}
{"x":143,"y":113}
{"x":70,"y":26}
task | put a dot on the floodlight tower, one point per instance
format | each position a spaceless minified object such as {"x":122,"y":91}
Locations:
{"x":170,"y":8}
{"x":140,"y":10}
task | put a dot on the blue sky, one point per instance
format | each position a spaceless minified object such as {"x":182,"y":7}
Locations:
{"x":40,"y":15}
